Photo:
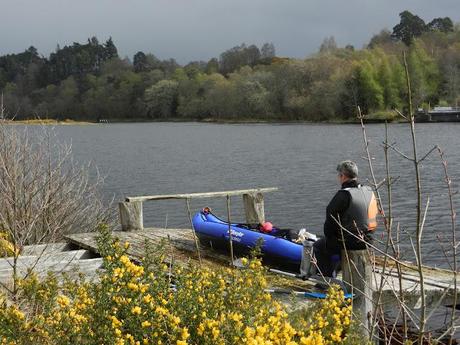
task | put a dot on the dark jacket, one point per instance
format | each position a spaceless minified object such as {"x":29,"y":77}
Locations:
{"x":336,"y":209}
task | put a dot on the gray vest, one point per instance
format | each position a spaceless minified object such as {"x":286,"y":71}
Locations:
{"x":356,"y":218}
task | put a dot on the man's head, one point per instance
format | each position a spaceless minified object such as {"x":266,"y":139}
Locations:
{"x":347,"y":170}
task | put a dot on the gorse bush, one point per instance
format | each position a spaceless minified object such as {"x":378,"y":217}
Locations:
{"x":6,"y":247}
{"x":155,"y":303}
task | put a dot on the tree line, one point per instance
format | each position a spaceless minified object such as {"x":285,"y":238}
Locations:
{"x":91,"y":81}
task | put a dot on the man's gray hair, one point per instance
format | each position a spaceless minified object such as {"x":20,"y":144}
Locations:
{"x":348,"y":168}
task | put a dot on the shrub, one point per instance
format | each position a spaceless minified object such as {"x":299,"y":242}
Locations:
{"x":45,"y":194}
{"x":6,"y":247}
{"x":155,"y":303}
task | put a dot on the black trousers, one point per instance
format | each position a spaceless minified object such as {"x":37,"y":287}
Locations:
{"x":327,"y":257}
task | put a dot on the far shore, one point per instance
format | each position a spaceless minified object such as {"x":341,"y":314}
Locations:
{"x":188,"y":120}
{"x":46,"y":122}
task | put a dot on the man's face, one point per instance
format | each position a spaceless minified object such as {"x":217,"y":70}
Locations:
{"x":341,"y":178}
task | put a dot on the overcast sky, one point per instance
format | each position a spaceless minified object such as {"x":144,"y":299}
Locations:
{"x":200,"y":29}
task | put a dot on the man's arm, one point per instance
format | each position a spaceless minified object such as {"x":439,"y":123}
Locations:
{"x":336,"y":207}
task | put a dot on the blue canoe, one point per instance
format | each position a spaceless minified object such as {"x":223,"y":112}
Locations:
{"x":214,"y":232}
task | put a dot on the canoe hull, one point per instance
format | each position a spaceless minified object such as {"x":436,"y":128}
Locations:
{"x":276,"y":251}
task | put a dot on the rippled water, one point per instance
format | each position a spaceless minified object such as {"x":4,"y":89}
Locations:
{"x":300,"y":159}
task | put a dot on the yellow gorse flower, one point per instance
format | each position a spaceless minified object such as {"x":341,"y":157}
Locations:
{"x":63,"y":301}
{"x":136,"y":310}
{"x":146,"y":324}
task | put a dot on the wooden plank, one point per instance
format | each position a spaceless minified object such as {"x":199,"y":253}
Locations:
{"x":181,"y":239}
{"x":46,"y":259}
{"x":407,"y":265}
{"x":84,"y":266}
{"x":431,"y":282}
{"x":435,"y":278}
{"x":88,"y":240}
{"x":412,"y":297}
{"x":38,"y":249}
{"x":182,"y":243}
{"x":200,"y":195}
{"x":435,"y":290}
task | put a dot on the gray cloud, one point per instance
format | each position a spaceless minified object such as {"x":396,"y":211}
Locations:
{"x":200,"y":29}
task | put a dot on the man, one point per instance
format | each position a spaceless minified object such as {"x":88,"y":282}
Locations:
{"x":350,"y":219}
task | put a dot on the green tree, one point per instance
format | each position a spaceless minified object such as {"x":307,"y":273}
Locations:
{"x":66,"y":102}
{"x":450,"y":69}
{"x":80,"y":59}
{"x":151,"y":77}
{"x":212,"y":66}
{"x":328,"y":45}
{"x":140,"y":62}
{"x":389,"y":80}
{"x":369,"y":94}
{"x":220,"y":97}
{"x":145,"y":62}
{"x":239,"y":56}
{"x":323,"y":100}
{"x":110,"y":50}
{"x":17,"y":105}
{"x":194,"y":68}
{"x":409,"y":27}
{"x":268,"y":51}
{"x":161,"y":99}
{"x":424,"y":74}
{"x":441,"y":24}
{"x":115,"y":93}
{"x":253,"y":98}
{"x":383,"y":37}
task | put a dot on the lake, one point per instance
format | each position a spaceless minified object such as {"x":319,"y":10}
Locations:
{"x":299,"y":159}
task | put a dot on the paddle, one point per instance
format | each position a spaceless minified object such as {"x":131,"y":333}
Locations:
{"x":308,"y":294}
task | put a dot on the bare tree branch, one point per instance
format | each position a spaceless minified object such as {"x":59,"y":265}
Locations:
{"x":45,"y":195}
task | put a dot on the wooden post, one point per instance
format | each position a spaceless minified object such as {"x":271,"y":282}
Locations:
{"x":131,"y":217}
{"x":357,"y":276}
{"x":197,"y":244}
{"x":230,"y":237}
{"x":254,"y":208}
{"x":2,"y":109}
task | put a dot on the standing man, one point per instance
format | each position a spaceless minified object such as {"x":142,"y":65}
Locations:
{"x":350,"y":219}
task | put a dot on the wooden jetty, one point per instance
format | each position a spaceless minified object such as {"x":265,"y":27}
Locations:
{"x":438,"y":282}
{"x":371,"y":279}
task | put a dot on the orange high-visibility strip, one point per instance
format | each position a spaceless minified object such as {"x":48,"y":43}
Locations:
{"x":372,"y":214}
